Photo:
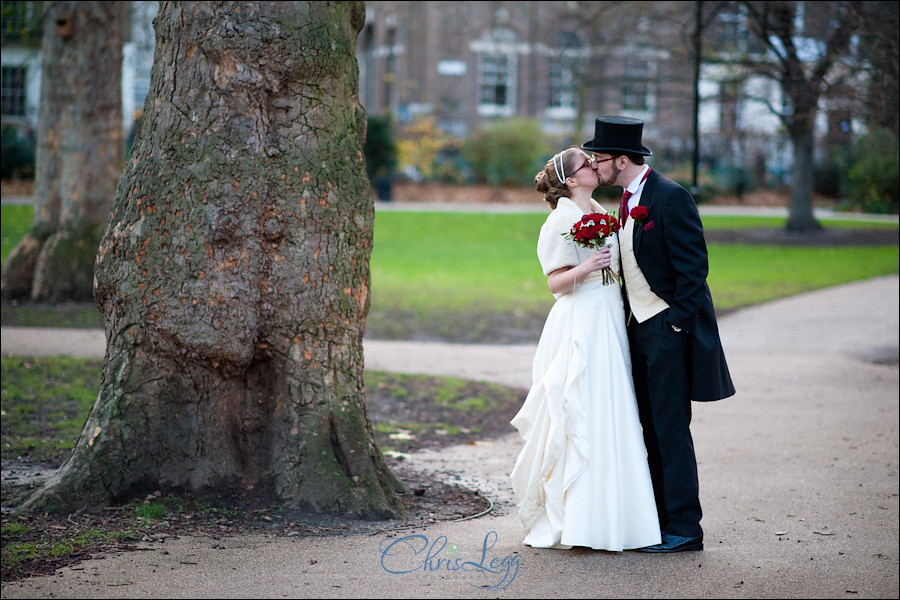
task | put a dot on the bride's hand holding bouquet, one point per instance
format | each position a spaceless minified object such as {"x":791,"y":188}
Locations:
{"x":594,"y":231}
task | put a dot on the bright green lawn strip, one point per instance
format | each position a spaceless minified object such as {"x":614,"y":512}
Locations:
{"x":461,"y":262}
{"x":747,"y":275}
{"x":453,"y":261}
{"x":714,"y":222}
{"x":17,"y":220}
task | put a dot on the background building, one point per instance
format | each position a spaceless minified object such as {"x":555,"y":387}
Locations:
{"x":562,"y":63}
{"x":466,"y":64}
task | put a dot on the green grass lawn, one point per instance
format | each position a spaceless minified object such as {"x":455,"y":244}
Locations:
{"x":459,"y":262}
{"x":746,"y":275}
{"x":45,"y":403}
{"x":437,"y":266}
{"x":16,"y":219}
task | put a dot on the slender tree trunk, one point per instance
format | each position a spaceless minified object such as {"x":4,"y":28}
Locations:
{"x":234,"y":273}
{"x":79,"y":154}
{"x":789,"y":34}
{"x":800,"y":213}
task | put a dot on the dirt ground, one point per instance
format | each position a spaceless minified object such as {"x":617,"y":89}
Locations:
{"x":409,"y":419}
{"x":427,"y":500}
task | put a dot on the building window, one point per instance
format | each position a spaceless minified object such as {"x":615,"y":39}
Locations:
{"x":22,"y":22}
{"x":730,"y":34}
{"x":12,"y":91}
{"x":636,"y":88}
{"x":733,"y":31}
{"x":365,"y":52}
{"x":494,"y":88}
{"x":562,"y":84}
{"x":568,"y":52}
{"x":389,"y":78}
{"x":497,"y":52}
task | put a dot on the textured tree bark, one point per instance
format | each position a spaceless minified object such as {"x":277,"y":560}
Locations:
{"x":234,"y":273}
{"x":79,"y":155}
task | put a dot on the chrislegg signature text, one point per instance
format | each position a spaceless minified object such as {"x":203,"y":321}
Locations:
{"x":414,"y":553}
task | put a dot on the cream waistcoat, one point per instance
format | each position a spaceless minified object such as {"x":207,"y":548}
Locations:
{"x":644,"y":303}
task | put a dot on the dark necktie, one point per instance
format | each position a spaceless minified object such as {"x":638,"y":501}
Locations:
{"x":623,"y":209}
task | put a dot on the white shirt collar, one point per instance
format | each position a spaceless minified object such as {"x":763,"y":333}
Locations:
{"x":638,"y":182}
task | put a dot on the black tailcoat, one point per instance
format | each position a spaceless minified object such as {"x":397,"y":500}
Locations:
{"x":671,"y":252}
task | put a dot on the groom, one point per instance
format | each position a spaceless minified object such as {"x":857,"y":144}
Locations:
{"x":676,"y":353}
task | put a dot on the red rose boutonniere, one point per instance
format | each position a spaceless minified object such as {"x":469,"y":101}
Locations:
{"x":592,"y":231}
{"x":639,"y":213}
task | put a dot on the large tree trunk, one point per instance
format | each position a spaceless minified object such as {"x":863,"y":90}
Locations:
{"x":234,"y":273}
{"x":79,"y":153}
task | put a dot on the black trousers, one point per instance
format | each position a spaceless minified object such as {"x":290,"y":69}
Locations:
{"x":660,"y":364}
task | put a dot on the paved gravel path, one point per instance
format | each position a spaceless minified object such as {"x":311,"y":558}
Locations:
{"x":798,"y":475}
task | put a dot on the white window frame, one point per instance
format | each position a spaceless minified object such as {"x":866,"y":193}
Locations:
{"x":564,"y":60}
{"x":491,"y":79}
{"x":561,"y":86}
{"x":499,"y":43}
{"x":636,"y":85}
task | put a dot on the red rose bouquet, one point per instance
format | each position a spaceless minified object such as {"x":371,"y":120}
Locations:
{"x":593,"y":231}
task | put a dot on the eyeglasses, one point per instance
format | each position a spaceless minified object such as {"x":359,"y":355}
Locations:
{"x":587,"y":163}
{"x":598,"y":161}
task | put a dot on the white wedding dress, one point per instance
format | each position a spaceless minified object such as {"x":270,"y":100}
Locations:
{"x":582,"y":478}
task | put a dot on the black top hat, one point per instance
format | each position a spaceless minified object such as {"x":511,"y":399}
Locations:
{"x":617,"y":134}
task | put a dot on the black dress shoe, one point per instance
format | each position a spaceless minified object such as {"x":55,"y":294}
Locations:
{"x":676,"y":543}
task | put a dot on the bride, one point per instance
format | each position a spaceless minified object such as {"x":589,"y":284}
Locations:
{"x":581,"y":478}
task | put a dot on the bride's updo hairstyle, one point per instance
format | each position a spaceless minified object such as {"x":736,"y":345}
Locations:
{"x":551,"y":181}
